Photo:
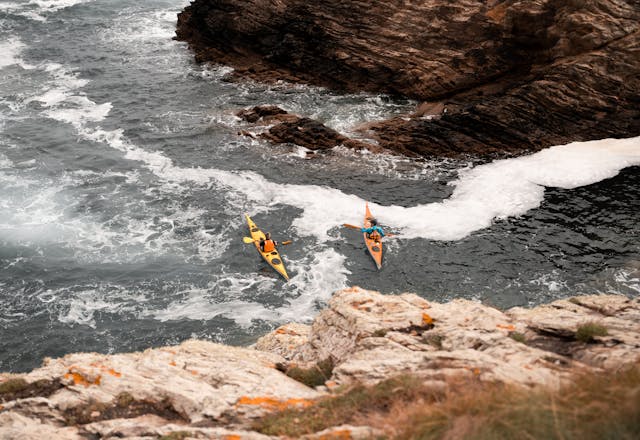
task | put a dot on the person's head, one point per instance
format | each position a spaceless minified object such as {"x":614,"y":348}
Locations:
{"x":373,"y":221}
{"x":267,"y":235}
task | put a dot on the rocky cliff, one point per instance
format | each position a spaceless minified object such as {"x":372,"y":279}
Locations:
{"x":205,"y":390}
{"x":490,"y":75}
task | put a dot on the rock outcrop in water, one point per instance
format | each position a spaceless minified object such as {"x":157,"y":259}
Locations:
{"x":491,"y":76}
{"x":204,"y":390}
{"x":288,"y":128}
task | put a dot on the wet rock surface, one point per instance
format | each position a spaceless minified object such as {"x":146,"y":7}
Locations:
{"x":491,"y":76}
{"x":287,"y":128}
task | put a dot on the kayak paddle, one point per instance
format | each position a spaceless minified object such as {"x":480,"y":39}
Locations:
{"x":251,"y":240}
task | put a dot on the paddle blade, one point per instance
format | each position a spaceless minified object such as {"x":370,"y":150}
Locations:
{"x":287,"y":242}
{"x":347,"y":225}
{"x":247,"y":239}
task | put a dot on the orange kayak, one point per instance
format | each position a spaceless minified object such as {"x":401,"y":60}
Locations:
{"x":374,"y":245}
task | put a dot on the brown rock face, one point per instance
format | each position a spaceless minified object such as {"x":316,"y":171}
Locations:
{"x":496,"y":75}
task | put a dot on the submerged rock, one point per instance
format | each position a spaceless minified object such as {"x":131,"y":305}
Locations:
{"x":492,"y":76}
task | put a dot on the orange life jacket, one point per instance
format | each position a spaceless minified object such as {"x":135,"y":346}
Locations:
{"x":269,"y":246}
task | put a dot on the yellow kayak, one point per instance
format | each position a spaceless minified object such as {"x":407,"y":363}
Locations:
{"x":273,"y":257}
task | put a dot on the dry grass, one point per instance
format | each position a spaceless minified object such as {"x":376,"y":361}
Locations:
{"x":18,"y":388}
{"x":586,"y":332}
{"x":594,"y":407}
{"x":314,"y":376}
{"x":347,"y":406}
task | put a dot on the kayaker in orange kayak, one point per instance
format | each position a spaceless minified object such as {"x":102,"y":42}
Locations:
{"x":374,"y":232}
{"x":267,"y":244}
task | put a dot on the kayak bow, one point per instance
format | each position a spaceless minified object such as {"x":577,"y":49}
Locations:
{"x":273,"y":257}
{"x":374,"y":246}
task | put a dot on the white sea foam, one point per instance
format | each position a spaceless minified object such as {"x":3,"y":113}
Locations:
{"x":312,"y":282}
{"x":552,"y":282}
{"x":200,"y":308}
{"x":38,"y":10}
{"x":140,"y":26}
{"x":65,"y":103}
{"x":79,"y":109}
{"x":10,"y":51}
{"x":511,"y":187}
{"x":498,"y":190}
{"x":79,"y":307}
{"x":629,"y":277}
{"x":205,"y":303}
{"x":5,"y":162}
{"x":56,"y":5}
{"x":315,"y":280}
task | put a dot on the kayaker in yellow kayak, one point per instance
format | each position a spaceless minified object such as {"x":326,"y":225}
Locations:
{"x":267,"y":244}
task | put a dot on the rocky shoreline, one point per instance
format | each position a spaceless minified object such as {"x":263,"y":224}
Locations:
{"x":208,"y":390}
{"x":490,"y":77}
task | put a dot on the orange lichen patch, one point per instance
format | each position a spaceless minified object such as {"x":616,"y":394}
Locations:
{"x":426,"y":319}
{"x":273,"y":404}
{"x":527,"y":367}
{"x":81,"y":379}
{"x":474,"y":371}
{"x":232,"y":437}
{"x":285,"y":331}
{"x":509,"y":327}
{"x":113,"y":372}
{"x":341,"y":434}
{"x":362,"y":305}
{"x":194,"y":372}
{"x":172,"y":363}
{"x":1,"y":407}
{"x":103,"y":368}
{"x":330,"y":384}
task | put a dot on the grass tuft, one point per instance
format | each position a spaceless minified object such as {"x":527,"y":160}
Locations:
{"x":18,"y":388}
{"x":586,"y":332}
{"x":380,"y":333}
{"x":12,"y":386}
{"x":312,"y":377}
{"x":176,"y":435}
{"x":434,"y":340}
{"x":518,"y":337}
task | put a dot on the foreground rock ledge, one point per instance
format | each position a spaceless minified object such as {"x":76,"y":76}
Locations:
{"x":492,"y":76}
{"x":215,"y":391}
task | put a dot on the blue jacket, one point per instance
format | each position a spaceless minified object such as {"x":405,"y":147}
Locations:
{"x":373,"y":228}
